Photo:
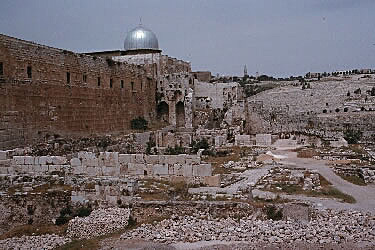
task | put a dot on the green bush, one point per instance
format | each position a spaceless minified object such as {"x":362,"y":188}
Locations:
{"x":273,"y":213}
{"x":176,"y":150}
{"x":352,"y":136}
{"x":201,"y":144}
{"x":139,"y":123}
{"x":83,"y":211}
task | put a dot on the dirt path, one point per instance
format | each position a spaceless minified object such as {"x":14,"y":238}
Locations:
{"x":364,"y":195}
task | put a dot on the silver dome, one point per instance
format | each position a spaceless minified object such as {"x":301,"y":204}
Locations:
{"x":141,"y":38}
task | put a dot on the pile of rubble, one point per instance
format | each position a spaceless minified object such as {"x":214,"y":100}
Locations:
{"x":326,"y":227}
{"x":100,"y":222}
{"x":47,"y":241}
{"x":306,"y":179}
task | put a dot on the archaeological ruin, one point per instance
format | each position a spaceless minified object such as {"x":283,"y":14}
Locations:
{"x":132,"y":149}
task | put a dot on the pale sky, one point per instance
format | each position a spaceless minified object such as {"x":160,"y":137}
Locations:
{"x":274,"y":37}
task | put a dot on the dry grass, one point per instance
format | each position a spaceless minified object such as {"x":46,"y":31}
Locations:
{"x":327,"y":191}
{"x":34,"y":230}
{"x":307,"y":153}
{"x":217,"y":162}
{"x":353,"y":179}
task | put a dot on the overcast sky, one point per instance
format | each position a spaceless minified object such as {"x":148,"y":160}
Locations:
{"x":275,"y":37}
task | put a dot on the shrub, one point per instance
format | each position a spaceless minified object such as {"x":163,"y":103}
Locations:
{"x":352,"y":136}
{"x":273,"y":213}
{"x":83,"y":211}
{"x":139,"y":123}
{"x":175,"y":151}
{"x":201,"y":144}
{"x":131,"y":221}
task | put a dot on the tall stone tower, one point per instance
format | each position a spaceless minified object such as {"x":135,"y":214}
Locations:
{"x":245,"y":71}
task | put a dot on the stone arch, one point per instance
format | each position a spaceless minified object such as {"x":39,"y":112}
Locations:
{"x":163,"y":112}
{"x":180,"y":114}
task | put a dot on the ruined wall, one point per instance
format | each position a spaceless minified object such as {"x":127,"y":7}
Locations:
{"x":47,"y":90}
{"x":215,"y":95}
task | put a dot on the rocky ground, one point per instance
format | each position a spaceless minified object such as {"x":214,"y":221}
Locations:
{"x":48,"y":241}
{"x":325,"y":227}
{"x":100,"y":222}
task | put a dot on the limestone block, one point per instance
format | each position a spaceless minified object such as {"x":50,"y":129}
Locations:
{"x":93,"y":171}
{"x":173,"y":159}
{"x":136,"y":169}
{"x":42,"y":160}
{"x":162,"y":159}
{"x":212,"y":181}
{"x":178,"y":170}
{"x":202,"y":170}
{"x":123,"y":169}
{"x":192,"y":159}
{"x":5,"y":163}
{"x":36,"y":160}
{"x":109,"y":159}
{"x":44,"y":168}
{"x":160,"y":170}
{"x":111,"y":171}
{"x":58,"y":160}
{"x":49,"y":159}
{"x":19,"y":160}
{"x":78,"y":170}
{"x":126,"y":158}
{"x":139,"y":159}
{"x":75,"y":162}
{"x":29,"y":160}
{"x":188,"y":170}
{"x":151,"y":159}
{"x":4,"y":170}
{"x":37,"y":168}
{"x":3,"y":155}
{"x":263,"y":139}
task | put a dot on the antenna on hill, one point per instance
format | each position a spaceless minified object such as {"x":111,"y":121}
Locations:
{"x":140,"y":21}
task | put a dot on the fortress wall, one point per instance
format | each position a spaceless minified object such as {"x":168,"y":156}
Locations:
{"x":62,"y":95}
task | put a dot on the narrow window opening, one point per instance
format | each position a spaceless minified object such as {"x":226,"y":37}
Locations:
{"x":29,"y":72}
{"x":110,"y":83}
{"x":141,"y":86}
{"x":67,"y":77}
{"x":98,"y":81}
{"x":122,"y":84}
{"x":1,"y":69}
{"x":85,"y":78}
{"x":132,"y":83}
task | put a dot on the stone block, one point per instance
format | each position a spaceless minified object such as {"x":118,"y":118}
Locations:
{"x":139,"y":159}
{"x":136,"y":169}
{"x":58,"y":160}
{"x":123,"y":169}
{"x":111,"y":171}
{"x":178,"y":170}
{"x":75,"y":162}
{"x":3,"y":155}
{"x":188,"y":170}
{"x":37,"y":168}
{"x":36,"y":160}
{"x":42,"y":160}
{"x":29,"y":160}
{"x":5,"y":163}
{"x":93,"y":171}
{"x":202,"y":170}
{"x":151,"y":159}
{"x":108,"y":159}
{"x":19,"y":160}
{"x":3,"y":170}
{"x":160,"y":170}
{"x":43,"y":168}
{"x":78,"y":170}
{"x":263,"y":139}
{"x":193,"y":159}
{"x":126,"y":158}
{"x":212,"y":181}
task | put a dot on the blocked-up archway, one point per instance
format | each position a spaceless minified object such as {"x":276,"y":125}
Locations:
{"x":180,"y":114}
{"x":163,"y":112}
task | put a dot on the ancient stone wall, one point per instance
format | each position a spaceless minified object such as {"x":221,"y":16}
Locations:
{"x":47,"y":90}
{"x":108,"y":164}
